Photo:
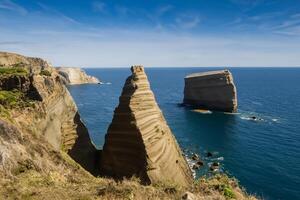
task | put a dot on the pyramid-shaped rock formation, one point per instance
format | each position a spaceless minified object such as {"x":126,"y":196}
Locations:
{"x":139,"y":141}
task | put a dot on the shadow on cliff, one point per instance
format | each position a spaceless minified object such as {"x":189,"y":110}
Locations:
{"x":84,"y":151}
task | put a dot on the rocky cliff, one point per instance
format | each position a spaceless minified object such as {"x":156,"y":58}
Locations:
{"x":34,"y":100}
{"x":139,"y":142}
{"x":41,"y":131}
{"x":214,"y":90}
{"x":75,"y":76}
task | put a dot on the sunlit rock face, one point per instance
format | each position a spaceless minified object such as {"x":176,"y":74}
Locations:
{"x":214,"y":90}
{"x":53,"y":116}
{"x":76,"y":76}
{"x":139,"y":141}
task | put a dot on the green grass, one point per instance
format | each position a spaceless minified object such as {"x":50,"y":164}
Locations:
{"x":228,"y":193}
{"x":8,"y":71}
{"x":45,"y":73}
{"x":14,"y":99}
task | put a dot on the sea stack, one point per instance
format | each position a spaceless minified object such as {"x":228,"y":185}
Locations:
{"x":213,"y":90}
{"x":139,"y":142}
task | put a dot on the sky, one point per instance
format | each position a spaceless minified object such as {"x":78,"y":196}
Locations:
{"x":154,"y":33}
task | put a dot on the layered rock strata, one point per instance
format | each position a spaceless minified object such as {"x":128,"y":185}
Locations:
{"x":139,"y":142}
{"x":214,"y":90}
{"x":50,"y":112}
{"x":76,"y":76}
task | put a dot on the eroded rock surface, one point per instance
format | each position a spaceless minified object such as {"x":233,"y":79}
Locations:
{"x":214,"y":90}
{"x":76,"y":76}
{"x":51,"y":113}
{"x":139,"y":141}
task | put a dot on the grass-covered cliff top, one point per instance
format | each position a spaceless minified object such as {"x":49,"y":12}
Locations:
{"x":70,"y":182}
{"x":9,"y":71}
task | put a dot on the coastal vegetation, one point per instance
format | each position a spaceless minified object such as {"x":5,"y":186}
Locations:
{"x":14,"y":99}
{"x":16,"y":71}
{"x":46,"y":152}
{"x":45,"y":73}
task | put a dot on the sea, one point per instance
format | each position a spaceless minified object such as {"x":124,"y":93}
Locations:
{"x":263,"y":154}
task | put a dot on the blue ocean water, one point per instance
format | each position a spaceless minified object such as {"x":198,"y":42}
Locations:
{"x":263,"y":155}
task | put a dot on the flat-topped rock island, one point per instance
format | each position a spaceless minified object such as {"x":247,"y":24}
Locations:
{"x":213,"y":90}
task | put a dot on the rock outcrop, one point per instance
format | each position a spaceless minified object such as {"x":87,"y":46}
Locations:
{"x":214,"y":90}
{"x":48,"y":111}
{"x":76,"y":76}
{"x":139,"y":142}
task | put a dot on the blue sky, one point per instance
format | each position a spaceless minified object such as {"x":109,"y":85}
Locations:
{"x":120,"y":33}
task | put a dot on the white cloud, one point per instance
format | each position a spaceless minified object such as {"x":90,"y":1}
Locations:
{"x":10,"y":5}
{"x":59,"y":14}
{"x":122,"y":48}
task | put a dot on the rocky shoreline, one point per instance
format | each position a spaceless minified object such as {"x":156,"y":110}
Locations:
{"x":46,"y":151}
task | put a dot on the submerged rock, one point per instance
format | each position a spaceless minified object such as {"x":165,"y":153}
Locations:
{"x":209,"y":154}
{"x":139,"y":142}
{"x":76,"y":76}
{"x":214,"y":90}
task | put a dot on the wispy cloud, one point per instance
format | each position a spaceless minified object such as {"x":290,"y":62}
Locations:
{"x":99,"y":6}
{"x":188,"y":21}
{"x":164,"y":9}
{"x":58,"y":13}
{"x":10,"y":5}
{"x":11,"y":42}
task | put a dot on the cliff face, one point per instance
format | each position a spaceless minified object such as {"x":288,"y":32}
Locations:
{"x":35,"y":102}
{"x":139,"y":141}
{"x":75,"y":76}
{"x":213,"y":90}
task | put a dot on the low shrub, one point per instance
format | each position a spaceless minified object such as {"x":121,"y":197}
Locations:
{"x":13,"y":71}
{"x":45,"y":73}
{"x":14,"y":99}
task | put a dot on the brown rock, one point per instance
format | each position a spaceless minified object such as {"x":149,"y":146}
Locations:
{"x":55,"y":116}
{"x":214,"y":90}
{"x":139,"y":142}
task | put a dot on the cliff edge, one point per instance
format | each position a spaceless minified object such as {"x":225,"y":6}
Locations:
{"x":34,"y":101}
{"x":213,"y":90}
{"x":76,"y":76}
{"x":139,"y":142}
{"x":40,"y":133}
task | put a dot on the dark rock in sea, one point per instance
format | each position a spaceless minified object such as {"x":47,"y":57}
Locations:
{"x":215,"y":166}
{"x":197,"y":165}
{"x":214,"y":90}
{"x":195,"y":156}
{"x":209,"y":154}
{"x":200,"y":163}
